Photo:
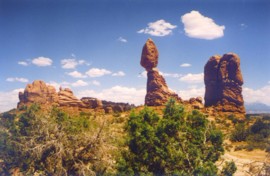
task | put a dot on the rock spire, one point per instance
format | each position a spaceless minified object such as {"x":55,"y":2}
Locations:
{"x":223,"y":83}
{"x":158,"y":92}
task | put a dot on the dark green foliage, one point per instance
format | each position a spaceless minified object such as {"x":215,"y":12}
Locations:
{"x":177,"y":144}
{"x":257,"y":135}
{"x":240,"y":133}
{"x":229,"y":169}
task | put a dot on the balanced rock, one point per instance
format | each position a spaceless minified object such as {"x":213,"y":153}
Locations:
{"x":158,"y":92}
{"x":223,"y":83}
{"x":149,"y":58}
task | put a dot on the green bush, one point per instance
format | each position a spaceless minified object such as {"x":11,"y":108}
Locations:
{"x":229,"y":169}
{"x":179,"y":143}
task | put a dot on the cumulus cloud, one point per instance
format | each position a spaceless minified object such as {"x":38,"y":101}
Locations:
{"x":192,"y":78}
{"x":198,"y":26}
{"x":9,"y":99}
{"x":23,"y":63}
{"x":120,"y":73}
{"x":79,"y":83}
{"x":121,"y":39}
{"x":72,"y":63}
{"x":185,"y":65}
{"x":23,"y":80}
{"x":96,"y":72}
{"x":117,"y":94}
{"x":158,"y":28}
{"x":260,"y":95}
{"x":192,"y":91}
{"x":42,"y":61}
{"x":76,"y":74}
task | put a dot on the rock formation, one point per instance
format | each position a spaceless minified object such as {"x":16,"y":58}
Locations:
{"x":66,"y":98}
{"x":39,"y":92}
{"x":223,"y":83}
{"x":158,"y":92}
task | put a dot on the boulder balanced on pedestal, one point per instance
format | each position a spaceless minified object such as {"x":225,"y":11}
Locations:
{"x":158,"y":92}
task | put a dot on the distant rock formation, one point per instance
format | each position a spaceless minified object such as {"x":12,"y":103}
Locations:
{"x":223,"y":83}
{"x":39,"y":92}
{"x":158,"y":92}
{"x":107,"y":106}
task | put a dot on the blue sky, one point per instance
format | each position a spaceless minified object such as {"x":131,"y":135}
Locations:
{"x":94,"y":47}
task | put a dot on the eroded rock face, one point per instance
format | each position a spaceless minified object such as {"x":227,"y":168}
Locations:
{"x":66,"y":98}
{"x":158,"y":92}
{"x":38,"y":92}
{"x":223,"y":83}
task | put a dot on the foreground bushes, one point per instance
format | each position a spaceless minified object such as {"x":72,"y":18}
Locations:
{"x":176,"y":144}
{"x":49,"y":143}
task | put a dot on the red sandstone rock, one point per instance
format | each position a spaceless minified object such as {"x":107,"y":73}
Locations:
{"x":149,"y":58}
{"x":223,"y":83}
{"x":158,"y":92}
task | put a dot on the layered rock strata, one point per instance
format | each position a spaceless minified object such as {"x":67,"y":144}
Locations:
{"x":158,"y":92}
{"x":223,"y":83}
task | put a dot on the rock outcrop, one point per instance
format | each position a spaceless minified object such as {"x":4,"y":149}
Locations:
{"x":158,"y":92}
{"x":107,"y":106}
{"x":39,"y":92}
{"x":223,"y":83}
{"x":66,"y":98}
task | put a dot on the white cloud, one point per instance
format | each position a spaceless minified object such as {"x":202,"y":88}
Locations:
{"x":171,"y":75}
{"x":192,"y":91}
{"x":72,"y":63}
{"x":42,"y":61}
{"x":9,"y":99}
{"x":121,"y":39}
{"x":120,"y":73}
{"x":79,"y":83}
{"x":23,"y":63}
{"x":58,"y":85}
{"x":198,"y":26}
{"x":158,"y":28}
{"x":192,"y":78}
{"x":76,"y":74}
{"x":185,"y":65}
{"x":143,"y":74}
{"x":117,"y":94}
{"x":96,"y":72}
{"x":23,"y":80}
{"x":96,"y":83}
{"x":257,"y":95}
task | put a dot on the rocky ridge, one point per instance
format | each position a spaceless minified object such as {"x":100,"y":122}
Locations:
{"x":43,"y":94}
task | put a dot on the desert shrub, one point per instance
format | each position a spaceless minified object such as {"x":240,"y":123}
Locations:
{"x":229,"y":169}
{"x":240,"y":133}
{"x":50,"y":143}
{"x":179,"y":143}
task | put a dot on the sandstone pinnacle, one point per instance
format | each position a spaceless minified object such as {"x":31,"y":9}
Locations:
{"x":223,"y":83}
{"x":158,"y":92}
